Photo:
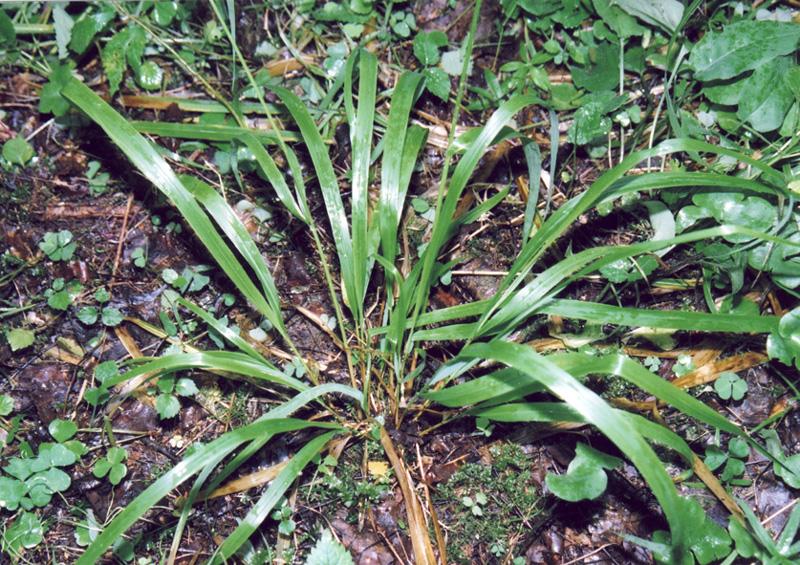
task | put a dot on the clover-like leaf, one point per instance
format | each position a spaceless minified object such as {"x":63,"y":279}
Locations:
{"x":25,"y":532}
{"x":784,"y":345}
{"x":730,"y":386}
{"x":17,"y":151}
{"x":585,"y":478}
{"x":11,"y":493}
{"x":88,"y":315}
{"x":62,"y":430}
{"x":111,"y":316}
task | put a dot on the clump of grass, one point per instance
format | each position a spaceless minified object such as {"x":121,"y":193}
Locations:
{"x":391,"y":350}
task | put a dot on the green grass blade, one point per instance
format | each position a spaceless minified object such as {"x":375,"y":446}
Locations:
{"x":192,"y":464}
{"x":238,"y":235}
{"x":397,"y":140}
{"x":566,"y":215}
{"x":561,"y":412}
{"x":330,"y":190}
{"x":224,"y":330}
{"x":274,"y":176}
{"x":228,"y":361}
{"x":534,"y":158}
{"x":666,"y":319}
{"x":361,"y":142}
{"x":259,"y":512}
{"x":208,"y":132}
{"x":528,"y":300}
{"x":596,"y":412}
{"x":461,"y":175}
{"x":283,"y":411}
{"x":158,"y":172}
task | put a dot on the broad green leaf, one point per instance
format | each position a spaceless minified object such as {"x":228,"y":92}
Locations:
{"x":437,"y":82}
{"x":765,"y":97}
{"x":150,"y":76}
{"x":111,"y":316}
{"x":168,"y":406}
{"x":87,"y":27}
{"x":25,"y":532}
{"x":19,"y":338}
{"x":6,"y":405}
{"x":585,"y":478}
{"x":164,"y":11}
{"x":742,"y":46}
{"x":583,"y":481}
{"x":665,"y":14}
{"x":427,"y":45}
{"x":8,"y":36}
{"x":11,"y":493}
{"x":17,"y":151}
{"x":622,"y":23}
{"x":88,"y":315}
{"x":591,"y":122}
{"x":62,"y":430}
{"x":328,"y":551}
{"x":603,"y":74}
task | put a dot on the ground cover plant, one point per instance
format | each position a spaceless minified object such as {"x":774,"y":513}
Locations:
{"x":450,"y":280}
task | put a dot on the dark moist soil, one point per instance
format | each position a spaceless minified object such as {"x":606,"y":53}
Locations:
{"x":46,"y":384}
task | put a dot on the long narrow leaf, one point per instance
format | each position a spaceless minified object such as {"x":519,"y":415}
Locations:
{"x":259,"y":512}
{"x":158,"y":172}
{"x":192,"y":464}
{"x":596,"y":412}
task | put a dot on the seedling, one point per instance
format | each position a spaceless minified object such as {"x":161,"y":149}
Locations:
{"x":475,"y":504}
{"x":167,"y":403}
{"x":58,"y":246}
{"x":112,"y":465}
{"x":17,"y":151}
{"x":283,"y":515}
{"x":730,"y":386}
{"x":586,"y":477}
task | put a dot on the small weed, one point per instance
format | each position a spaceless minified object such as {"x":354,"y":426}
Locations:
{"x":488,"y":505}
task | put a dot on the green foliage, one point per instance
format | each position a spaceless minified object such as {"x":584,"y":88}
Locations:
{"x":328,"y":551}
{"x":111,"y":316}
{"x":25,"y":532}
{"x":6,"y":405}
{"x":19,"y":338}
{"x":601,"y":43}
{"x":112,"y":465}
{"x":167,"y":403}
{"x":759,"y":544}
{"x":427,"y":45}
{"x":32,"y":482}
{"x":742,"y":46}
{"x":585,"y":478}
{"x":491,"y":503}
{"x":62,"y":430}
{"x":730,"y":386}
{"x":17,"y":151}
{"x":58,"y":246}
{"x":784,"y":345}
{"x":125,"y":48}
